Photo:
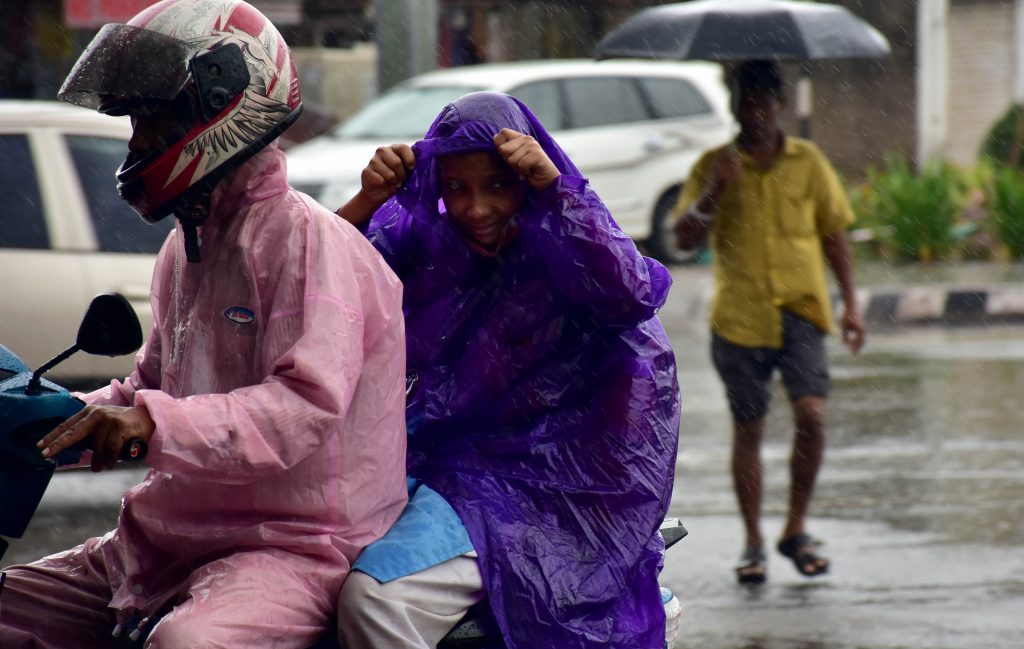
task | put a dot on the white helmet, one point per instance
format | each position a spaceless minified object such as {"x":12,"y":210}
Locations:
{"x":232,"y":78}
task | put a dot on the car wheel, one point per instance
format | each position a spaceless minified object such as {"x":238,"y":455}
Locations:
{"x":662,"y":243}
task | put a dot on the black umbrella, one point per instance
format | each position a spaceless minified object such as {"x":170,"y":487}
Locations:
{"x":730,"y":30}
{"x":734,"y":30}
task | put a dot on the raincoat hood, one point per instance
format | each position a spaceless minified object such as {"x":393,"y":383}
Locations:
{"x":543,"y":403}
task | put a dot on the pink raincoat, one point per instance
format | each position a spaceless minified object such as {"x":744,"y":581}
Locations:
{"x":274,"y":373}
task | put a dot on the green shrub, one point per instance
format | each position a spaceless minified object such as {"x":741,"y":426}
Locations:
{"x":867,"y":233}
{"x":998,"y":145}
{"x":914,"y":213}
{"x":1004,"y":196}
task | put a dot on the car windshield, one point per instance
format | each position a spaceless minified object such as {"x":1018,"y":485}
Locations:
{"x":403,"y":113}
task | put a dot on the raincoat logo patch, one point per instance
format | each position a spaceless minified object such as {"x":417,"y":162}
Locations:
{"x":240,"y":315}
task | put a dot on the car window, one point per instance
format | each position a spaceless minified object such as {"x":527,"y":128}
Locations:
{"x":674,"y":97}
{"x":597,"y":101}
{"x":24,"y":225}
{"x":544,"y":99}
{"x":118,"y":227}
{"x":403,"y":113}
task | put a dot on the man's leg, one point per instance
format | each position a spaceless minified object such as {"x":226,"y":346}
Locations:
{"x":745,"y":373}
{"x":748,"y":476}
{"x":267,"y":599}
{"x":805,"y":461}
{"x":413,"y":612}
{"x":804,"y":368}
{"x":59,"y":602}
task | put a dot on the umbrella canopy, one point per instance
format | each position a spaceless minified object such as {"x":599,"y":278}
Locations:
{"x":730,"y":30}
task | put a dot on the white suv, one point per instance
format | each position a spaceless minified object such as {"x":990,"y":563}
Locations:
{"x":65,"y":234}
{"x":634,"y":128}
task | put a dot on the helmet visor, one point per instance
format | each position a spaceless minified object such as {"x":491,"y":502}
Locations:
{"x":124,"y":63}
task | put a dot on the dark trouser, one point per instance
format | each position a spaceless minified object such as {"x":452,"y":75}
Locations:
{"x":746,"y":372}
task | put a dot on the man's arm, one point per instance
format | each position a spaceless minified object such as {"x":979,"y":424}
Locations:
{"x":110,"y":417}
{"x":693,"y":226}
{"x":694,"y":222}
{"x":837,"y":251}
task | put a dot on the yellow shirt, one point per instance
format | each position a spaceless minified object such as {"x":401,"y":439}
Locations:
{"x":766,"y":236}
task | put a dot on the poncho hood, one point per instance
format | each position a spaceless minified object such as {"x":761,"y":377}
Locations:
{"x":467,"y":125}
{"x":470,"y":124}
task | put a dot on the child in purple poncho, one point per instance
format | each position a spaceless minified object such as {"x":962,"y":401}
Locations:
{"x":543,"y":406}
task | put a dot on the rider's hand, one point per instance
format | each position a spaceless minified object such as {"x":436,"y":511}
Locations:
{"x":526,"y":156}
{"x":107,"y":428}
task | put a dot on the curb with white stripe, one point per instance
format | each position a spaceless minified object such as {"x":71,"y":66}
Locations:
{"x":942,"y":305}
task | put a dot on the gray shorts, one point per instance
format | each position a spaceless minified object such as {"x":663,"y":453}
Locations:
{"x":746,"y":372}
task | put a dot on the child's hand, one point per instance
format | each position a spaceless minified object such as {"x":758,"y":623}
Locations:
{"x":381,"y":178}
{"x":386,"y":172}
{"x":525,"y":155}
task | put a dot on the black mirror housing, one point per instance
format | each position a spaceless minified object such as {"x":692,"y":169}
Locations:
{"x":110,"y":327}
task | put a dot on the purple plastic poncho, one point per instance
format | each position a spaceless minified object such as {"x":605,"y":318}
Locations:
{"x":544,"y":403}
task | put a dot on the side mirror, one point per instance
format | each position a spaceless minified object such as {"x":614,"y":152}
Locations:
{"x":110,"y":327}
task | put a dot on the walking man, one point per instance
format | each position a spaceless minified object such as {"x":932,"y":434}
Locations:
{"x":775,"y":212}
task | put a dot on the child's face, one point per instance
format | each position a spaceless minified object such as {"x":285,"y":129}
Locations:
{"x":481,"y":192}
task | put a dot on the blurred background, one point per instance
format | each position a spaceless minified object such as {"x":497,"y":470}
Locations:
{"x":955,"y":64}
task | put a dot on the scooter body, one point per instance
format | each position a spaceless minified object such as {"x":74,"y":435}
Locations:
{"x":30,"y":407}
{"x":27,"y":416}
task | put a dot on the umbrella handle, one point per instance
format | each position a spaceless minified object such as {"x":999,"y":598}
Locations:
{"x":804,"y":101}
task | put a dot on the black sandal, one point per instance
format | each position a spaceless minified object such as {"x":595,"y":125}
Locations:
{"x":753,"y":568}
{"x":801,"y":549}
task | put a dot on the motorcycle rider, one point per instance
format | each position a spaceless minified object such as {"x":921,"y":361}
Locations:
{"x":270,"y":389}
{"x":543,"y":412}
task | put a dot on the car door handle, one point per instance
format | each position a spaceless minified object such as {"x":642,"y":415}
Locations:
{"x":662,"y":142}
{"x":654,"y":145}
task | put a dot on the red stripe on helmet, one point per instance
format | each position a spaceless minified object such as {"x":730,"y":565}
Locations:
{"x":247,"y":19}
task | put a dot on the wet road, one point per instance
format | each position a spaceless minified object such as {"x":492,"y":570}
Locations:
{"x":920,"y":501}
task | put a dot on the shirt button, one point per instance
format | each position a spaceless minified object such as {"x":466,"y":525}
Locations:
{"x":137,"y":589}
